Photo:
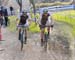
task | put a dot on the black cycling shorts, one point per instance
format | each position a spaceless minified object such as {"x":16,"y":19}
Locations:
{"x":42,"y":26}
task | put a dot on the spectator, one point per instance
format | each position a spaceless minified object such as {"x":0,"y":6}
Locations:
{"x":1,"y":10}
{"x":1,"y":22}
{"x":11,"y":9}
{"x":6,"y":17}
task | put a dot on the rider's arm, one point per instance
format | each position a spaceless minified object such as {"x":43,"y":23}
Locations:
{"x":52,"y":21}
{"x":49,"y":19}
{"x":28,"y":19}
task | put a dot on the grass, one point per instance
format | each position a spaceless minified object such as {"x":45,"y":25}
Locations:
{"x":64,"y":16}
{"x":34,"y":28}
{"x":67,"y":17}
{"x":12,"y":27}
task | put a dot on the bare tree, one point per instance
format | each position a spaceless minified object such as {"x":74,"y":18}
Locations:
{"x":20,"y":4}
{"x":33,"y":4}
{"x":4,"y":2}
{"x":1,"y":2}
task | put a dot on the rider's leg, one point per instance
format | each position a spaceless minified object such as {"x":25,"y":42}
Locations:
{"x":26,"y":26}
{"x":19,"y":34}
{"x":51,"y":27}
{"x":42,"y":36}
{"x":49,"y":30}
{"x":25,"y":36}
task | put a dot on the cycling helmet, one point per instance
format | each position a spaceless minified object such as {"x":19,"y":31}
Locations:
{"x":45,"y":10}
{"x":24,"y":12}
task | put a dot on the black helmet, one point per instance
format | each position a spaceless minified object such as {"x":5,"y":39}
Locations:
{"x":24,"y":12}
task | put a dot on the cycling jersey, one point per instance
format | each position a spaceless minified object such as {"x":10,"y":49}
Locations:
{"x":45,"y":20}
{"x":23,"y":20}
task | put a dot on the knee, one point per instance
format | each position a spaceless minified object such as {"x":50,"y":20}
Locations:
{"x":48,"y":28}
{"x":19,"y":30}
{"x":42,"y":31}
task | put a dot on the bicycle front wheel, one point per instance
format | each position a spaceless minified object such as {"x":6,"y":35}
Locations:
{"x":45,"y":41}
{"x":22,"y":41}
{"x":45,"y":46}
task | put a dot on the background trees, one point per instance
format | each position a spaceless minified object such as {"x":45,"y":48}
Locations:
{"x":4,"y":2}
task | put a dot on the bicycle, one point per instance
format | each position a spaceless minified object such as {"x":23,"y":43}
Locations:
{"x":21,"y":35}
{"x":46,"y":37}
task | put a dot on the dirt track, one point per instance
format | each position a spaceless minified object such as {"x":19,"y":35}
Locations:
{"x":58,"y":45}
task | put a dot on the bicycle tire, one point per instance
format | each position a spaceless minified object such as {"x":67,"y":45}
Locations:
{"x":45,"y":46}
{"x":45,"y":41}
{"x":19,"y":37}
{"x":21,"y":41}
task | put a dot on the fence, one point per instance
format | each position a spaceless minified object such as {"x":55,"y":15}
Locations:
{"x":58,"y":8}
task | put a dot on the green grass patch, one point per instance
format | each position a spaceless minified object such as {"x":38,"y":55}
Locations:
{"x":34,"y":27}
{"x":67,"y":17}
{"x":12,"y":27}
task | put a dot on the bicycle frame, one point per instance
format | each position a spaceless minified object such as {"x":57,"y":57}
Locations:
{"x":45,"y":34}
{"x":21,"y":34}
{"x":45,"y":38}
